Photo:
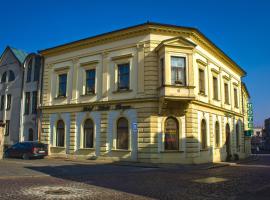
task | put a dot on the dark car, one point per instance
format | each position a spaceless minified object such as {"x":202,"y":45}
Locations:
{"x":27,"y":150}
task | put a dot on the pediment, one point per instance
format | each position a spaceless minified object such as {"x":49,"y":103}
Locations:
{"x":176,"y":42}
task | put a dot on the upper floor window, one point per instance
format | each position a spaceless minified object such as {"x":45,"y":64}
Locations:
{"x":217,"y":135}
{"x":62,"y":85}
{"x":8,"y":102}
{"x":4,"y":77}
{"x":203,"y":135}
{"x":7,"y":127}
{"x":162,"y":71}
{"x":60,"y":134}
{"x":235,"y":98}
{"x":201,"y":81}
{"x":34,"y":102}
{"x":27,"y":103}
{"x":90,"y":81}
{"x":226,"y":93}
{"x":37,"y":68}
{"x":11,"y":76}
{"x":122,"y":134}
{"x":123,"y":76}
{"x":215,"y":88}
{"x":171,"y":134}
{"x":29,"y":71}
{"x":178,"y":68}
{"x":88,"y":130}
{"x":2,"y":102}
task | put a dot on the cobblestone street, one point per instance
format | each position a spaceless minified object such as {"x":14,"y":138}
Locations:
{"x":59,"y":179}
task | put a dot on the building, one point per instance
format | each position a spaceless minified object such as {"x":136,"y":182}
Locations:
{"x":20,"y":74}
{"x":30,"y":115}
{"x":258,"y":139}
{"x":267,"y":127}
{"x":11,"y":76}
{"x":149,"y":93}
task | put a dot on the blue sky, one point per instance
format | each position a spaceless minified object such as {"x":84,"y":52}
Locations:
{"x":240,"y":28}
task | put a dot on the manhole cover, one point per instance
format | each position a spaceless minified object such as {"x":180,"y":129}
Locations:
{"x":57,"y":192}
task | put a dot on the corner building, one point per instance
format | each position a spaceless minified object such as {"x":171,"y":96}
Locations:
{"x":149,"y":93}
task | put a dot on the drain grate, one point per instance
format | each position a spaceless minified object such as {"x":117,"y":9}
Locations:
{"x":57,"y":192}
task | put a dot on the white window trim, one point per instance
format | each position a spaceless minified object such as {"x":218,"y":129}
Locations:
{"x":170,"y":55}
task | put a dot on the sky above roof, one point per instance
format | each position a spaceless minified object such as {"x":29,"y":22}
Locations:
{"x":240,"y":28}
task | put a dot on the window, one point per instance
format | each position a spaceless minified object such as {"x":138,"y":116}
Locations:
{"x":62,"y":85}
{"x":201,"y":81}
{"x":34,"y":102}
{"x":237,"y":131}
{"x":27,"y":103}
{"x":171,"y":134}
{"x":88,"y":130}
{"x":37,"y":69}
{"x":7,"y":127}
{"x":90,"y":81}
{"x":162,"y":71}
{"x":122,"y":134}
{"x":29,"y":71}
{"x":8,"y":102}
{"x":203,"y":135}
{"x":60,"y":134}
{"x":178,"y":68}
{"x":226,"y":93}
{"x":217,"y":135}
{"x":11,"y":76}
{"x":30,"y":135}
{"x":215,"y":88}
{"x":2,"y":102}
{"x":123,"y":76}
{"x":4,"y":77}
{"x":235,"y":98}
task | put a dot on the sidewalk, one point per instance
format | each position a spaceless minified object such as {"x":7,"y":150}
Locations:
{"x":204,"y":166}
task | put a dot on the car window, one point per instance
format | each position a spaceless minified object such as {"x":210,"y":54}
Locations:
{"x":39,"y":145}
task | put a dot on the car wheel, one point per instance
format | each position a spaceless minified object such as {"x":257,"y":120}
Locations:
{"x":26,"y":156}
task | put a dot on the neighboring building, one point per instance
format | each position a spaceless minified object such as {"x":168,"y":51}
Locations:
{"x":19,"y":87}
{"x":258,"y":139}
{"x":11,"y":76}
{"x":147,"y":93}
{"x":30,"y":114}
{"x":267,"y":127}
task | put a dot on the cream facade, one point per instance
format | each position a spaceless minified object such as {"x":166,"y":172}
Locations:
{"x":148,"y":93}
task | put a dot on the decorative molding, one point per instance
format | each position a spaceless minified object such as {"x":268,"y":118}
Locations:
{"x":127,"y":56}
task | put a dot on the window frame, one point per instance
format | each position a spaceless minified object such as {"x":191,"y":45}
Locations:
{"x":177,"y":145}
{"x":63,"y":129}
{"x":127,"y":88}
{"x":60,"y":83}
{"x":2,"y":105}
{"x":34,"y":102}
{"x":4,"y":75}
{"x":235,"y":94}
{"x":9,"y":100}
{"x":86,"y":92}
{"x":203,"y":135}
{"x":184,"y":71}
{"x":217,"y":134}
{"x":215,"y":89}
{"x":202,"y":83}
{"x":226,"y":95}
{"x":27,"y":103}
{"x":29,"y":71}
{"x":7,"y":127}
{"x":127,"y":147}
{"x":9,"y":76}
{"x":84,"y":134}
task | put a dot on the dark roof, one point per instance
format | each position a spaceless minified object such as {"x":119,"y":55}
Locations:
{"x":20,"y":54}
{"x":144,"y":24}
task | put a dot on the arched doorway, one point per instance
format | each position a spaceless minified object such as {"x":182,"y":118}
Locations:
{"x":171,"y":134}
{"x":30,"y":135}
{"x":228,"y":143}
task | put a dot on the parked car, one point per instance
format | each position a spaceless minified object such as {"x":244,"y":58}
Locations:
{"x":27,"y":150}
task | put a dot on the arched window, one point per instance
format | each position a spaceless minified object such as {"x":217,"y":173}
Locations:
{"x":203,"y":135}
{"x":171,"y":134}
{"x":30,"y":135}
{"x":4,"y":77}
{"x":29,"y":71}
{"x":237,"y":131}
{"x":122,"y":133}
{"x":88,"y":134}
{"x":60,"y":134}
{"x":217,"y":134}
{"x":11,"y":76}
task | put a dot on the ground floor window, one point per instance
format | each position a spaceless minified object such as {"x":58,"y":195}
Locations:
{"x":203,"y":135}
{"x":171,"y":134}
{"x":217,"y":134}
{"x":88,"y":134}
{"x":60,"y":134}
{"x":122,"y":134}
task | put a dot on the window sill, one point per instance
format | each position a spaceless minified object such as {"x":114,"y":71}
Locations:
{"x":218,"y":100}
{"x":202,"y":94}
{"x":121,"y":150}
{"x":85,"y":149}
{"x":207,"y":149}
{"x":171,"y":151}
{"x":88,"y":95}
{"x":60,"y":97}
{"x":122,"y":91}
{"x":227,"y":104}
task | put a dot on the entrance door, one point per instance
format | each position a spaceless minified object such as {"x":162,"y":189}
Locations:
{"x":228,"y":145}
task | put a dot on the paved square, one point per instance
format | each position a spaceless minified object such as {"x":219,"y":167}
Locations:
{"x":59,"y":179}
